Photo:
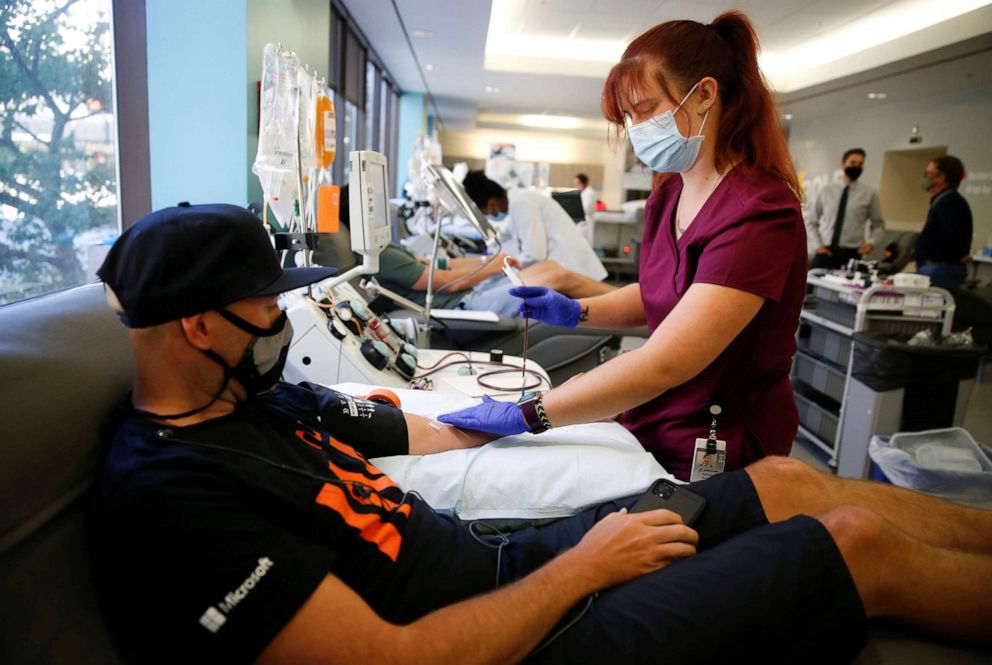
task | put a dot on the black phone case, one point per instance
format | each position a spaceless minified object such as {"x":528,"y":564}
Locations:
{"x":666,"y":494}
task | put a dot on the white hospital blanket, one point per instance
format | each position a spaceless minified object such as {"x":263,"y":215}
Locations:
{"x":553,"y":474}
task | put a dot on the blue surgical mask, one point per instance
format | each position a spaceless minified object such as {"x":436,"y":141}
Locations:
{"x":659,"y":143}
{"x":497,"y":218}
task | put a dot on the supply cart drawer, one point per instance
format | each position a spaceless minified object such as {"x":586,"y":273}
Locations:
{"x":838,"y":312}
{"x":819,"y":418}
{"x":829,"y":345}
{"x":820,"y":375}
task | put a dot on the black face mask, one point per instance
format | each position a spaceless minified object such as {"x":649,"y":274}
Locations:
{"x":260,"y":367}
{"x":853,"y":172}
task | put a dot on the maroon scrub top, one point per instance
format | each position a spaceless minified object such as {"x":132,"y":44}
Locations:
{"x":749,"y":235}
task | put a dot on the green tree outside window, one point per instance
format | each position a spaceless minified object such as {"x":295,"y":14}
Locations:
{"x":58,"y":183}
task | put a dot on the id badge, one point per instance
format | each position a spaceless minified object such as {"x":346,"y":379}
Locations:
{"x":708,"y":461}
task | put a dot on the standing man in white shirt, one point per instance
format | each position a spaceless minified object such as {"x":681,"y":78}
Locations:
{"x":840,"y":213}
{"x":586,"y":193}
{"x":539,"y":228}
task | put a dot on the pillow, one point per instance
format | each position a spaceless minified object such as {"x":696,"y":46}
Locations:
{"x":553,"y":474}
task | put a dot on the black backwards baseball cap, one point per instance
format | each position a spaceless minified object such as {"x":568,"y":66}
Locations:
{"x":186,"y":260}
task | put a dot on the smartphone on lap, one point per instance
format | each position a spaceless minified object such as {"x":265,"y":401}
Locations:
{"x":666,"y":494}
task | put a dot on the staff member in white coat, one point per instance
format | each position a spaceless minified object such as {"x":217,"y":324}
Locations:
{"x":587,"y":194}
{"x":539,"y":228}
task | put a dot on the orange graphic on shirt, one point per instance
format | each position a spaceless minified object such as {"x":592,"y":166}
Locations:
{"x":371,"y":525}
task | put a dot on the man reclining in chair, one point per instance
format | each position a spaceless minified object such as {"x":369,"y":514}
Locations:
{"x":237,"y":518}
{"x":468,"y":283}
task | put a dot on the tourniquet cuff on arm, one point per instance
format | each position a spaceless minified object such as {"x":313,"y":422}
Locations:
{"x":374,"y":430}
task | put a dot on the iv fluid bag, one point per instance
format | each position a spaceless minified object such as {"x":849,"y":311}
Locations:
{"x":325,"y":132}
{"x":275,"y":159}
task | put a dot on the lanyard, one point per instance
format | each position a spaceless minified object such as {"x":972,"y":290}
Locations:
{"x":715,"y":410}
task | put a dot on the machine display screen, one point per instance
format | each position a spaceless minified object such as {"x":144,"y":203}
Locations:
{"x":457,"y":201}
{"x":378,"y":196}
{"x":371,"y":228}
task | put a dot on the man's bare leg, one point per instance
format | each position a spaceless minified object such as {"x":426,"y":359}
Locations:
{"x":944,"y":592}
{"x":788,"y":487}
{"x":563,"y":280}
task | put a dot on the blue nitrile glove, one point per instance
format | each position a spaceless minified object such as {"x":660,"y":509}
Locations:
{"x":549,"y":306}
{"x":503,"y":418}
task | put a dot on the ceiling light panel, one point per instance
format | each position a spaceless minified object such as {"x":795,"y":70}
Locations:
{"x":551,"y":121}
{"x":786,"y":67}
{"x":804,"y":42}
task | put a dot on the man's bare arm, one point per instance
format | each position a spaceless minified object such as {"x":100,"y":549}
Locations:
{"x":467,"y":275}
{"x":429,"y":436}
{"x":336,"y":626}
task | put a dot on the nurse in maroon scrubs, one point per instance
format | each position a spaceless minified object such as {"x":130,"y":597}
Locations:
{"x":722,"y":265}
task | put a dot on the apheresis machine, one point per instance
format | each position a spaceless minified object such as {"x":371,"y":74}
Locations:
{"x":339,"y":342}
{"x":339,"y":339}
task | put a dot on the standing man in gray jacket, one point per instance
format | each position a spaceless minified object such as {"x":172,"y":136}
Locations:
{"x":840,"y":213}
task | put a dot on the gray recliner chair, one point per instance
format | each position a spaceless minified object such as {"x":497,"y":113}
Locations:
{"x":64,"y":366}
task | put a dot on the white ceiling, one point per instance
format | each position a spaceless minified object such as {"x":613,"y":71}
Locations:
{"x":457,"y":51}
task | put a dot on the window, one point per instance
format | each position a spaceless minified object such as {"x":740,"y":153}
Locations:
{"x":371,"y":100}
{"x":58,"y":165}
{"x":384,"y":95}
{"x":365,"y":100}
{"x":349,"y":138}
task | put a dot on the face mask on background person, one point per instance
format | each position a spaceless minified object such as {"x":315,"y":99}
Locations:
{"x":499,"y":217}
{"x":659,"y":143}
{"x":853,"y":172}
{"x":926,"y":184}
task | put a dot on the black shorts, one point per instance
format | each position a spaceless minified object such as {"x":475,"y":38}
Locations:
{"x":754,"y":591}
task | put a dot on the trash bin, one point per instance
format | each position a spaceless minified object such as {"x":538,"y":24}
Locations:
{"x":944,"y":462}
{"x":930,"y":375}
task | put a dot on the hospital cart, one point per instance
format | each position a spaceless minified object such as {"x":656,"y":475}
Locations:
{"x":838,"y":413}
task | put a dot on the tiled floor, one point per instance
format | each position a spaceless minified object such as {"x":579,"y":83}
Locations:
{"x":978,"y":422}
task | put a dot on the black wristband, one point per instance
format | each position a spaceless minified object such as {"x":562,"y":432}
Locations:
{"x":584,"y":314}
{"x":533,"y":411}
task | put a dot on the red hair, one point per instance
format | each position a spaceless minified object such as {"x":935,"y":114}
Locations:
{"x":678,"y":54}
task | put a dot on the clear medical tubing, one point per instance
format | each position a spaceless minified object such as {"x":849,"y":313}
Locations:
{"x":307,"y":152}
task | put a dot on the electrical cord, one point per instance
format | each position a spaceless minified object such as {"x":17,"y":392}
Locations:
{"x":445,"y":357}
{"x":502,"y":540}
{"x":505,"y":368}
{"x":524,"y":387}
{"x":362,"y":490}
{"x":543,"y":645}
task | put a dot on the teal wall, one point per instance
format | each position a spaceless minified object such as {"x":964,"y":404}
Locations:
{"x":412,"y":119}
{"x":204,"y":63}
{"x":301,"y":25}
{"x":196,"y":113}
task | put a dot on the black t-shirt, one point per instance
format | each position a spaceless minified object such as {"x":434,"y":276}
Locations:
{"x":207,"y":539}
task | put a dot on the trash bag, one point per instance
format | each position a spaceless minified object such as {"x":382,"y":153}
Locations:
{"x":884,"y":361}
{"x":944,"y":462}
{"x":930,"y":375}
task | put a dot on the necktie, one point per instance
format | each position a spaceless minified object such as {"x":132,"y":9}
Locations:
{"x":839,"y":222}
